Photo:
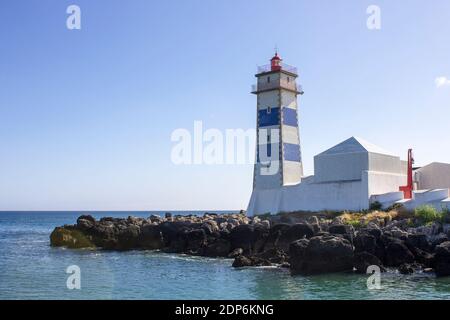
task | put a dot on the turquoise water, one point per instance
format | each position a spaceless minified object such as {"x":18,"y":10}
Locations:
{"x":31,"y":269}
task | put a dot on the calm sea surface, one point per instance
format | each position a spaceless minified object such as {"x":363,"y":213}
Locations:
{"x":31,"y":269}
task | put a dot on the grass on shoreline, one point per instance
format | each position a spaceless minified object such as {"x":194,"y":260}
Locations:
{"x":429,"y":214}
{"x":422,"y":215}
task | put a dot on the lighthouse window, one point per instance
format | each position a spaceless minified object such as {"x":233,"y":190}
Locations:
{"x":288,"y":79}
{"x":268,"y":79}
{"x":269,"y":109}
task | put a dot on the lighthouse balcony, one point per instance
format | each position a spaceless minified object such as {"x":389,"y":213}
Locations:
{"x":281,"y":84}
{"x":283,"y":66}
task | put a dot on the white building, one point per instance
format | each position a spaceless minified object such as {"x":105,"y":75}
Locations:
{"x":433,"y":176}
{"x":348,"y":176}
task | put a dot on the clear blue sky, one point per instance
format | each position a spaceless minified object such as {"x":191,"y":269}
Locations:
{"x":86,"y":115}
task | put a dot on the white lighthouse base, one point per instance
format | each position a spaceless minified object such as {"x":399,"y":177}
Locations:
{"x":344,"y":196}
{"x":306,"y":196}
{"x":341,"y":196}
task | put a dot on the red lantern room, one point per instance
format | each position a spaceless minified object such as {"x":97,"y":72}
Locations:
{"x":275,"y":63}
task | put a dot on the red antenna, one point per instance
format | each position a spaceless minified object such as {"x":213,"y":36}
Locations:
{"x":408,"y":189}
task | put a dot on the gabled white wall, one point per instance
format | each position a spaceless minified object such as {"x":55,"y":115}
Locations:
{"x":384,"y":163}
{"x":340,"y":167}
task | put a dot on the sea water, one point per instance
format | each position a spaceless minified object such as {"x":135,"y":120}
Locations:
{"x":31,"y":269}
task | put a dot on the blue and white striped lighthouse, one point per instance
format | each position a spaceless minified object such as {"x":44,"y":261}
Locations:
{"x":278,"y":154}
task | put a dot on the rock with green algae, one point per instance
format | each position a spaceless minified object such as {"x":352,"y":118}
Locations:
{"x":70,"y":238}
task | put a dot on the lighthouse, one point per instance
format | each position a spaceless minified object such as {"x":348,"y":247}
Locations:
{"x":278,"y":154}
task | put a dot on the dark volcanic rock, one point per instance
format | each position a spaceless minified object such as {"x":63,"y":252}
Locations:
{"x":365,"y":242}
{"x":196,"y":240}
{"x":250,"y":238}
{"x":128,"y":237}
{"x":376,"y":232}
{"x":406,"y":268}
{"x":266,"y":258}
{"x":236,"y":252}
{"x":210,"y":227}
{"x":438,"y":239}
{"x":299,"y":231}
{"x":442,"y":259}
{"x":243,"y":261}
{"x":423,"y":257}
{"x":261,"y":233}
{"x":87,"y":217}
{"x":85,"y":222}
{"x":363,"y":260}
{"x":338,"y":229}
{"x":293,"y":233}
{"x":105,"y":234}
{"x":150,"y":237}
{"x":397,"y":253}
{"x":174,"y":233}
{"x":418,"y":241}
{"x":274,"y":235}
{"x":282,"y":235}
{"x":218,"y":248}
{"x":274,"y":256}
{"x":178,"y":243}
{"x":321,"y":254}
{"x":342,"y":230}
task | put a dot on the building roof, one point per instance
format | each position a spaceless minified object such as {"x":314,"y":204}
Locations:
{"x":355,"y":145}
{"x":435,"y":164}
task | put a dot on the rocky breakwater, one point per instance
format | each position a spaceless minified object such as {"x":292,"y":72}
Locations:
{"x":208,"y":235}
{"x":307,"y":246}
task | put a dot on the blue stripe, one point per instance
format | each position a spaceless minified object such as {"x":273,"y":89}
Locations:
{"x":266,"y":119}
{"x":268,"y":151}
{"x":292,"y":152}
{"x":290,"y":117}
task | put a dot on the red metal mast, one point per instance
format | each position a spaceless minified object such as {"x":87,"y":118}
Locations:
{"x":408,"y":189}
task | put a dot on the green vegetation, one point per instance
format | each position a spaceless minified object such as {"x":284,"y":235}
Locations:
{"x":375,"y":206}
{"x":422,"y":215}
{"x":356,"y":223}
{"x":333,"y":214}
{"x":445,"y":215}
{"x":429,"y":214}
{"x":71,"y":238}
{"x":395,"y":206}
